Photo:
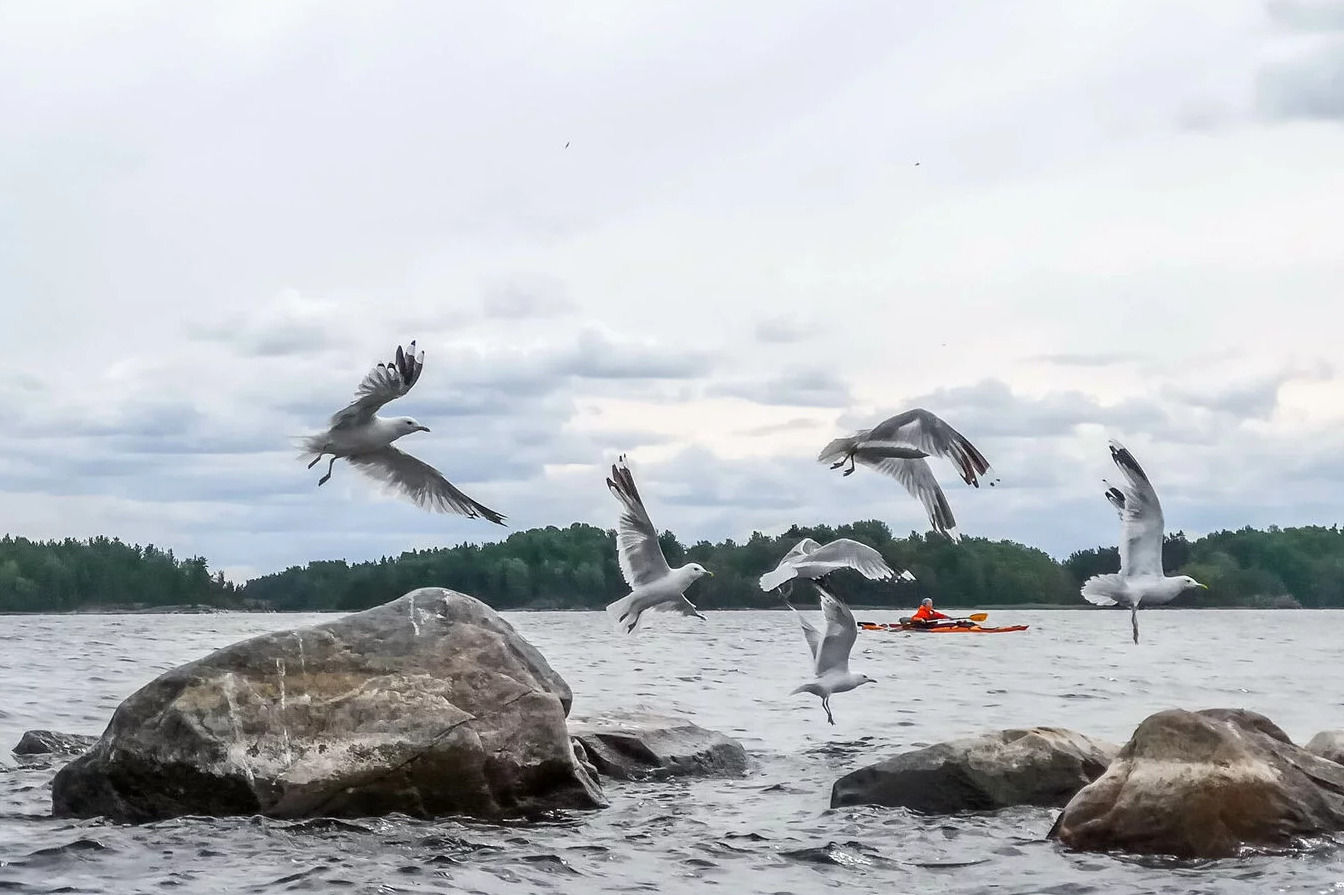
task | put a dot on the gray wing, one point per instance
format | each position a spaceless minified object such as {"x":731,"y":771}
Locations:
{"x":419,"y":481}
{"x":788,"y":566}
{"x":637,"y":548}
{"x":841,"y":632}
{"x":1141,"y":522}
{"x":843,"y":553}
{"x":812,"y":634}
{"x":918,"y":479}
{"x":384,"y":383}
{"x":923,"y":430}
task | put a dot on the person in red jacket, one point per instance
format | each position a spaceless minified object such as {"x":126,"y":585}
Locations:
{"x":926,"y":613}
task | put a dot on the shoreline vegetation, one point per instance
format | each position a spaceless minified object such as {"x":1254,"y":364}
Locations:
{"x":574,"y":568}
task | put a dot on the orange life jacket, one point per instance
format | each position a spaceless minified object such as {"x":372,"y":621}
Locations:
{"x":923,"y":613}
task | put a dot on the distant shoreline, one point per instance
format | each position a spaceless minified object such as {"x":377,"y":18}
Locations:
{"x":856,"y":607}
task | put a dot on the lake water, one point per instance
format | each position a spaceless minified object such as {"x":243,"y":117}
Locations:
{"x":770,"y":832}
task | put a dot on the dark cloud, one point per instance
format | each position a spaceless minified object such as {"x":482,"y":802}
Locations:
{"x":801,"y":388}
{"x":991,"y":407}
{"x":1307,"y":15}
{"x":1311,"y":86}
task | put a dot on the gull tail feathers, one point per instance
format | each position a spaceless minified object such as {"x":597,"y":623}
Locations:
{"x":1104,"y":590}
{"x":840,"y":447}
{"x":625,"y":614}
{"x":774,"y":578}
{"x":310,"y":446}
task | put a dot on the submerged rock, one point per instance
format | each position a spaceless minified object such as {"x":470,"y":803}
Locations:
{"x":1203,"y":785}
{"x":1328,"y":744}
{"x":429,"y":705}
{"x":638,"y":745}
{"x":51,"y":742}
{"x":1038,"y":766}
{"x":45,"y":748}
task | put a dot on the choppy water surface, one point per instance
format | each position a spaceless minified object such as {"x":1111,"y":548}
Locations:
{"x":770,"y":832}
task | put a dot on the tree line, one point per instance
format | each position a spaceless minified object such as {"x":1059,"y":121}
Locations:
{"x":576,"y":568}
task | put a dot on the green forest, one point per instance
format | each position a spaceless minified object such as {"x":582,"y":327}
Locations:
{"x":575,"y":568}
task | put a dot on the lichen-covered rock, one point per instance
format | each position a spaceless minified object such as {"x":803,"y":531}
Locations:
{"x":429,"y":705}
{"x":638,"y":745}
{"x":1204,"y":785}
{"x":1037,"y":766}
{"x":1328,"y":744}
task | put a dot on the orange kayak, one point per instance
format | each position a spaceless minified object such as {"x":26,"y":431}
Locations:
{"x":946,"y":629}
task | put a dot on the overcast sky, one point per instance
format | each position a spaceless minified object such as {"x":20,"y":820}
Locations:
{"x":1050,"y":223}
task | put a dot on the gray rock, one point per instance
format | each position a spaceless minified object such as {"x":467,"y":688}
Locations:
{"x":639,"y":745}
{"x":50,"y":742}
{"x":1328,"y":744}
{"x":1205,"y":785}
{"x":1039,"y":766}
{"x":429,"y":705}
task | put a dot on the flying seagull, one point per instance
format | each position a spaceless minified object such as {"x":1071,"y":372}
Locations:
{"x":1141,"y":579}
{"x":898,"y":447}
{"x":653,"y":584}
{"x":830,"y":651}
{"x":811,"y":560}
{"x":365,"y":439}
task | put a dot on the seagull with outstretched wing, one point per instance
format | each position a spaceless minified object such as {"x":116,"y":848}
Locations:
{"x":653,"y":583}
{"x":898,"y":447}
{"x":830,"y":651}
{"x":1140,"y":579}
{"x":808,"y":559}
{"x":364,"y":439}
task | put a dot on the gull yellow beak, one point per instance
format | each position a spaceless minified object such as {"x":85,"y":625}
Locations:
{"x":709,"y":573}
{"x":424,"y":428}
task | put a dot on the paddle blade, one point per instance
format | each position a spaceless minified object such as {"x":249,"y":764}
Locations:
{"x":978,"y":617}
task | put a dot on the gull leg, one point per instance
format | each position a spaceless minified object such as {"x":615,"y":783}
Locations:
{"x":826,"y":704}
{"x":838,"y":463}
{"x":850,"y":471}
{"x":1134,"y":619}
{"x":323,"y":480}
{"x":316,"y":460}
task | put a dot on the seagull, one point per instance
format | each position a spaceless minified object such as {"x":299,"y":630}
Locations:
{"x":365,"y":439}
{"x":1141,"y":579}
{"x":830,"y":651}
{"x":808,"y":559}
{"x":652,"y":582}
{"x":898,"y":447}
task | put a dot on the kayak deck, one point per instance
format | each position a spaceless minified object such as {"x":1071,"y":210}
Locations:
{"x":946,"y":629}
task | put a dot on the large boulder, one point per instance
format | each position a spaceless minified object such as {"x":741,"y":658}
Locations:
{"x":1038,"y":766}
{"x":1203,"y":785}
{"x":429,"y":705}
{"x":1328,"y":744}
{"x":639,"y":745}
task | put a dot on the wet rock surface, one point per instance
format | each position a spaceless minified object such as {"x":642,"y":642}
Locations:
{"x":1041,"y":766}
{"x":1205,"y":784}
{"x":641,"y":745}
{"x":429,"y":705}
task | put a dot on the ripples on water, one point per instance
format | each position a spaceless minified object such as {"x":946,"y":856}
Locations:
{"x":770,"y":832}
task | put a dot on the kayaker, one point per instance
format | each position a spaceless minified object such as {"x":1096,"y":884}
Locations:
{"x":926,"y":612}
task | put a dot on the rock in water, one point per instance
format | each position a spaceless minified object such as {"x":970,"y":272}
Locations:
{"x":1203,"y":785}
{"x":1039,"y":766}
{"x":51,"y":742}
{"x":429,"y":705}
{"x":1328,"y":744}
{"x":637,"y":745}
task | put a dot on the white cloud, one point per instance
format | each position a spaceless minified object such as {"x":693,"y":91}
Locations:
{"x":217,"y":219}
